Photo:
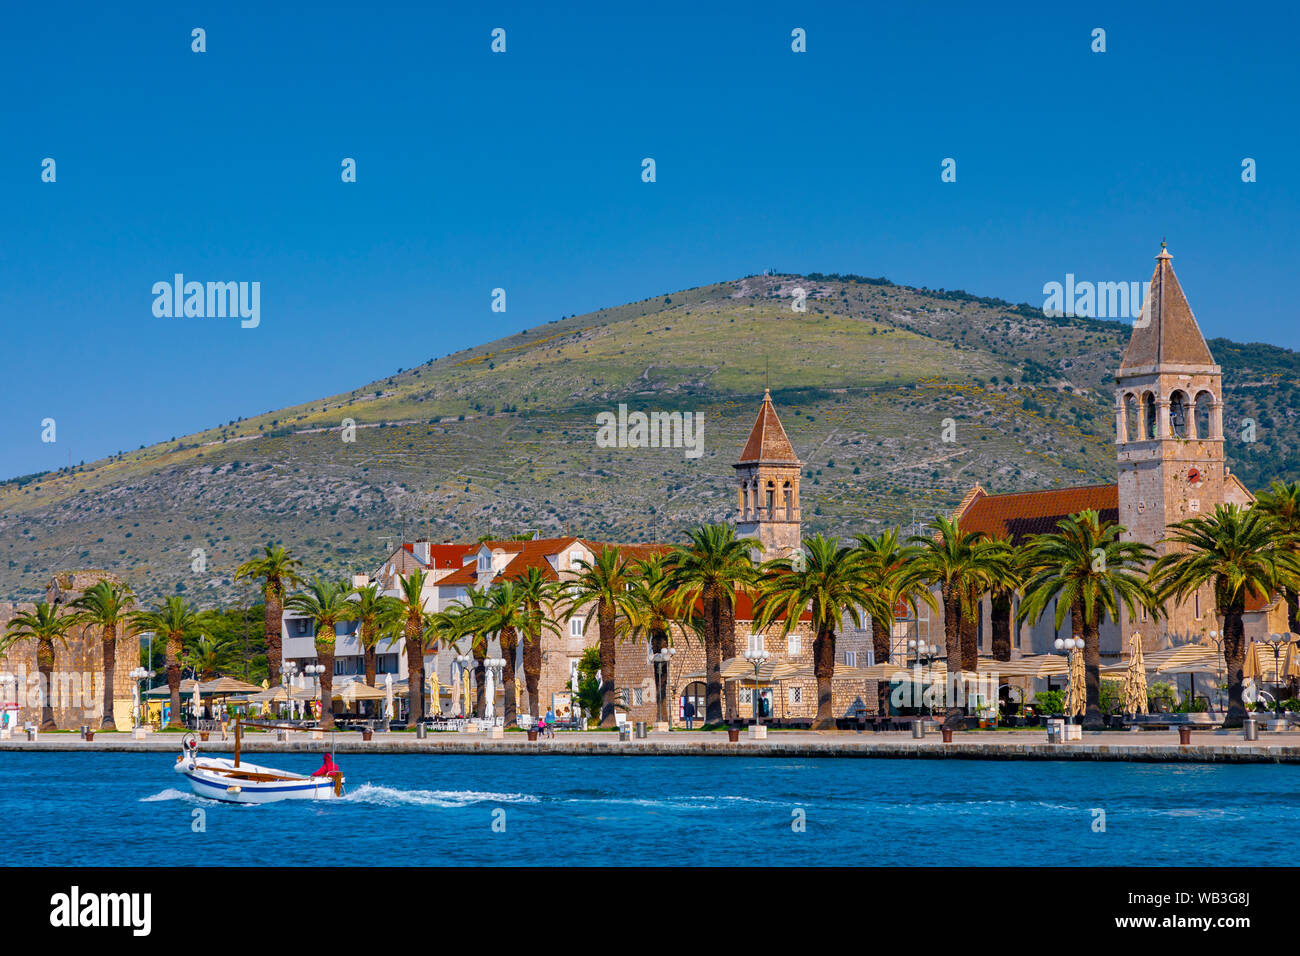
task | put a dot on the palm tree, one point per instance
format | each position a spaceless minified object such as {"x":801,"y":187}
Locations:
{"x":504,"y":612}
{"x":1008,"y":578}
{"x":373,"y":612}
{"x":832,"y":583}
{"x":411,"y":604}
{"x":278,"y":571}
{"x":1236,"y":552}
{"x":46,"y":626}
{"x":706,"y":573}
{"x":602,"y":585}
{"x":537,"y":590}
{"x":651,"y":614}
{"x":106,"y":605}
{"x":952,"y":560}
{"x":894,"y":577}
{"x":173,"y":620}
{"x":1282,"y":503}
{"x":209,"y":657}
{"x":1089,"y":573}
{"x":326,"y":603}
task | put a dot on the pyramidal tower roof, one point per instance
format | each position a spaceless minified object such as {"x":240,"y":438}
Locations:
{"x":767,"y":439}
{"x":1166,"y":333}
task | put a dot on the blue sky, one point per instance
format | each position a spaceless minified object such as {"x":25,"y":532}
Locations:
{"x":522,"y":170}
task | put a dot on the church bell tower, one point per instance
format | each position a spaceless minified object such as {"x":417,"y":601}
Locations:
{"x":768,"y":496}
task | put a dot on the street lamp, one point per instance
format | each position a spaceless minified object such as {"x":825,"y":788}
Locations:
{"x":758,"y":659}
{"x":287,"y":673}
{"x":494,"y":666}
{"x":925,"y":653}
{"x":1277,"y":640}
{"x":1070,"y":645}
{"x":314,"y":671}
{"x":661,"y":660}
{"x":137,"y":674}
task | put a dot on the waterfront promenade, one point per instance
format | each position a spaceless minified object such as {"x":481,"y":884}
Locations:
{"x":1150,"y":746}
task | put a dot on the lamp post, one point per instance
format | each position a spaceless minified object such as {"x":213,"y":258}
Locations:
{"x":494,"y":666}
{"x":137,"y":674}
{"x":758,"y":659}
{"x":288,"y":671}
{"x":661,"y":660}
{"x":1070,"y":645}
{"x":1276,"y":641}
{"x":314,"y":671}
{"x":924,"y":653}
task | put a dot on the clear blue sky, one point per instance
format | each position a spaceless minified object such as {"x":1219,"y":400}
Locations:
{"x":522,"y":171}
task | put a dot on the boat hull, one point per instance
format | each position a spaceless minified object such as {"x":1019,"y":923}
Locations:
{"x":221,"y":780}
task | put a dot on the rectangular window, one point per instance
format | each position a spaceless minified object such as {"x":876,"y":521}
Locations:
{"x":1196,"y":601}
{"x":794,"y":695}
{"x":756,"y":644}
{"x":638,"y":696}
{"x":850,"y":658}
{"x":746,"y":696}
{"x":794,"y":644}
{"x":577,"y":627}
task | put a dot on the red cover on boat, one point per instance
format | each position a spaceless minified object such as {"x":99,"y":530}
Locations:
{"x":328,"y":767}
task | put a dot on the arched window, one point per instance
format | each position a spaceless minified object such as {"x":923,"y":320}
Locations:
{"x":1179,"y":414}
{"x":788,"y":494}
{"x":771,"y":498}
{"x":1148,"y":416}
{"x":1205,"y":415}
{"x":1132,"y":420}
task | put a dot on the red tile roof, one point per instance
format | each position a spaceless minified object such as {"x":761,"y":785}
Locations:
{"x":767,"y":440}
{"x":1167,"y":331}
{"x":1016,"y":516}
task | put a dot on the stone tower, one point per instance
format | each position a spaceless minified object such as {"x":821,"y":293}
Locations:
{"x":1169,"y":441}
{"x":768,"y":495}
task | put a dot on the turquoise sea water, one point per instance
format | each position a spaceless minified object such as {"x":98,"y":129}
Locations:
{"x":130,"y":809}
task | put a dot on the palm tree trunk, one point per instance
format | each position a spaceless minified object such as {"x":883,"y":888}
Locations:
{"x":952,"y":626}
{"x":273,"y":620}
{"x":45,"y":666}
{"x":712,"y":660}
{"x":727,"y":649}
{"x":1093,"y":719}
{"x":414,"y":673}
{"x":370,"y":658}
{"x":824,"y":671}
{"x":173,"y":660}
{"x":325,"y":655}
{"x":110,"y":665}
{"x":608,"y":691}
{"x":509,"y":642}
{"x":533,"y":673}
{"x":1000,"y":622}
{"x":970,"y":637}
{"x":1234,"y":655}
{"x":658,"y":641}
{"x":1292,"y":610}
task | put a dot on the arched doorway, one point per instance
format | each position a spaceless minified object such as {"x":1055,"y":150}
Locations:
{"x":692,"y":693}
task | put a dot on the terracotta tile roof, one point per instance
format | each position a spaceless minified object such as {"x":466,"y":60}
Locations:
{"x":1016,"y":516}
{"x":767,"y":440}
{"x":467,"y":576}
{"x":1167,"y":330}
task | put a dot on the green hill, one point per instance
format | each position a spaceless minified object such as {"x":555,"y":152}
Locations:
{"x":501,"y":438}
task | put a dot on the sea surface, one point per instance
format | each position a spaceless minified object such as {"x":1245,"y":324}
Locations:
{"x":458,"y":810}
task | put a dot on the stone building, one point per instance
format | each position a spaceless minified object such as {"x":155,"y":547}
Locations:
{"x":1170,"y":466}
{"x":76,"y":692}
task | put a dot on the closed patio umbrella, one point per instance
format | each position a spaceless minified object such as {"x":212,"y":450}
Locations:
{"x":436,"y":686}
{"x":388,"y":696}
{"x":1135,"y":680}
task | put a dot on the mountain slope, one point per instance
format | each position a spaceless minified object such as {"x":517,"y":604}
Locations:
{"x":501,"y":438}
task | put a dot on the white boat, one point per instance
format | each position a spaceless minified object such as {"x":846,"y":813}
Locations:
{"x":235,"y":781}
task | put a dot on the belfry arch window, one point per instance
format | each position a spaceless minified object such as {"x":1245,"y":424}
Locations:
{"x":1205,"y":415}
{"x":1148,"y":416}
{"x":771,"y":498}
{"x":788,"y":494}
{"x":1179,"y":414}
{"x":1132,"y":423}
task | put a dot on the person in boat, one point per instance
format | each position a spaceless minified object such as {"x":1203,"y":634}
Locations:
{"x":328,"y":767}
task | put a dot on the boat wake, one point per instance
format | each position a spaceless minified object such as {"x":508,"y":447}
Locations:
{"x":171,"y":793}
{"x":390,"y":797}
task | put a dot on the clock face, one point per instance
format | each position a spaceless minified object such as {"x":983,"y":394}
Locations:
{"x":1193,"y":477}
